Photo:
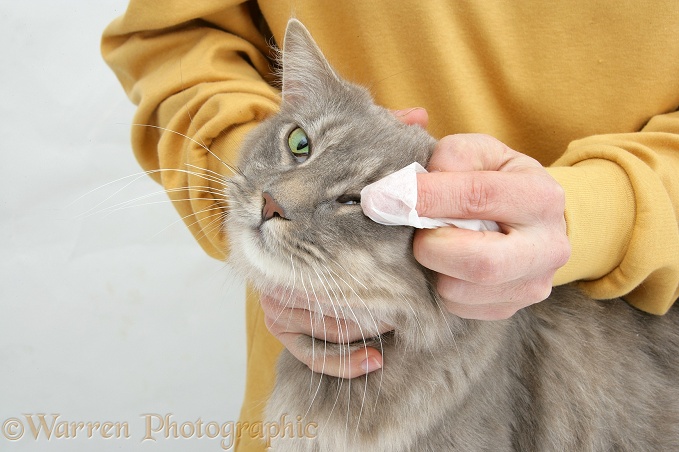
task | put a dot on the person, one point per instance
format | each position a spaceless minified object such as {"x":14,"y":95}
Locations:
{"x":559,"y":121}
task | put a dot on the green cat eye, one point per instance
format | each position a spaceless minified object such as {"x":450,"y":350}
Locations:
{"x":299,"y":145}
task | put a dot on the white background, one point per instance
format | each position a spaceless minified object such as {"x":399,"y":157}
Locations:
{"x":105,"y":314}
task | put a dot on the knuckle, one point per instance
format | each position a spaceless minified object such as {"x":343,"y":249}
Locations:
{"x":450,"y":142}
{"x":538,"y":292}
{"x":562,"y":253}
{"x":487,"y":269}
{"x":557,"y":250}
{"x":475,"y":197}
{"x":552,"y":199}
{"x":428,"y":197}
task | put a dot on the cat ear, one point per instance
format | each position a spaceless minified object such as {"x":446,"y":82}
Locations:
{"x":306,"y":72}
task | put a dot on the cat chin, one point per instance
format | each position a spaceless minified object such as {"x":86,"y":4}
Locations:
{"x":248,"y":259}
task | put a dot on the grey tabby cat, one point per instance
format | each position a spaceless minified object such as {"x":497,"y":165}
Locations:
{"x":567,"y":374}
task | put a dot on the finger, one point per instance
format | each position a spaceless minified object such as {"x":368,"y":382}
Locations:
{"x":320,"y":321}
{"x":277,"y":301}
{"x":357,"y":363}
{"x":413,"y":116}
{"x":484,"y":258}
{"x":321,"y":327}
{"x":509,"y":297}
{"x":492,"y":311}
{"x":510,"y":198}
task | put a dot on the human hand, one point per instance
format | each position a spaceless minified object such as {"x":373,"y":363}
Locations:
{"x":293,"y":317}
{"x":289,"y":317}
{"x":490,"y":275}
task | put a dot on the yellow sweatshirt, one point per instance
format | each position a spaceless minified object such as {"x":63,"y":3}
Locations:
{"x":590,"y":89}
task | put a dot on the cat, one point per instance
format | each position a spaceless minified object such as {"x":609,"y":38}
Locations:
{"x":567,"y":374}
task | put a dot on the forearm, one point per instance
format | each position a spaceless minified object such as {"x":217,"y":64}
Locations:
{"x":199,"y":77}
{"x":622,"y":208}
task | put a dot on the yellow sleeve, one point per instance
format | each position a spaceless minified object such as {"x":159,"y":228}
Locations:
{"x":622,"y":211}
{"x":198,"y":72}
{"x":262,"y":355}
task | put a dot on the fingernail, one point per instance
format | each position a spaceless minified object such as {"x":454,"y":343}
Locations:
{"x":371,"y":364}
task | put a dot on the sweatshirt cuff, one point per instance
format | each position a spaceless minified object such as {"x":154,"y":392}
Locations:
{"x":600,"y":214}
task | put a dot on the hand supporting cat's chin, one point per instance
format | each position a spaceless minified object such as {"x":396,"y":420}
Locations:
{"x":329,"y":337}
{"x":319,"y":316}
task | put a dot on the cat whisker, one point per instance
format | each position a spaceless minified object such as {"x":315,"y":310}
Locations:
{"x":233,"y":168}
{"x":416,"y":317}
{"x":325,"y":346}
{"x":350,"y":381}
{"x":343,"y":334}
{"x":203,"y":173}
{"x":290,"y":293}
{"x":311,"y":321}
{"x":419,"y":324}
{"x":344,"y":351}
{"x":186,"y":105}
{"x":370,"y":85}
{"x":348,"y":273}
{"x":131,"y":203}
{"x":360,"y":299}
{"x":381,"y":345}
{"x":450,"y":329}
{"x":220,"y":213}
{"x":342,"y":340}
{"x":216,"y":177}
{"x":214,"y":224}
{"x":136,"y":177}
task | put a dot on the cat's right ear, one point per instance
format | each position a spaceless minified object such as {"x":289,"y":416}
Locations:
{"x":306,"y":72}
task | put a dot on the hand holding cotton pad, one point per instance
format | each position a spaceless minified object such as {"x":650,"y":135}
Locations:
{"x":391,"y":201}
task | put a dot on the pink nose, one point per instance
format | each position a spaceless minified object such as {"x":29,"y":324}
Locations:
{"x":271,"y":208}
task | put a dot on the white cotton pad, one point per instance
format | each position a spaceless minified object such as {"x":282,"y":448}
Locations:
{"x":392,"y":200}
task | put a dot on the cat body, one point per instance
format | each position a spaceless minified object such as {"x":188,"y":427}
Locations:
{"x":569,"y":373}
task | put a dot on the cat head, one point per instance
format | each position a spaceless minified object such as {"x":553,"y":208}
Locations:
{"x":295,"y":222}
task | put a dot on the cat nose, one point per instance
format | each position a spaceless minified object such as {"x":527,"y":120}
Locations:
{"x":271,"y":208}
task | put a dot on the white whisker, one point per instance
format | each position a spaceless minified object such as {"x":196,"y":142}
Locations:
{"x":325,"y":348}
{"x":311,"y":321}
{"x":381,"y":346}
{"x":165,"y":129}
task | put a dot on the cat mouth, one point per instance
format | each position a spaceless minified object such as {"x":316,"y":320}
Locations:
{"x":264,"y":236}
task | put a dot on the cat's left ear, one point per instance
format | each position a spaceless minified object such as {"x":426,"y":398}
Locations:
{"x":306,"y":72}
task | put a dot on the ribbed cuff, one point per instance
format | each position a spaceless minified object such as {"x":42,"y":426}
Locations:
{"x":600,"y":213}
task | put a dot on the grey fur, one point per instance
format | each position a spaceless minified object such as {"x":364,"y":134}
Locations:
{"x":567,"y":374}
